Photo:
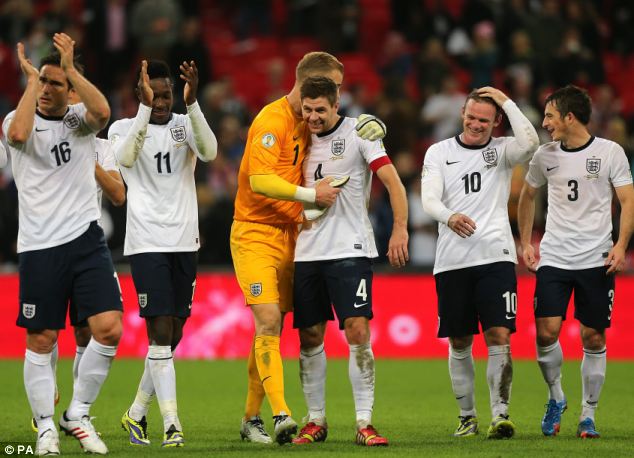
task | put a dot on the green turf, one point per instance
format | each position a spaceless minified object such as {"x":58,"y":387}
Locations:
{"x":414,"y":409}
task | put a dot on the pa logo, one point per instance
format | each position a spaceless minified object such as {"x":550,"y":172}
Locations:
{"x":178,"y":133}
{"x":72,"y":121}
{"x":142,"y":300}
{"x":256,"y":289}
{"x":338,"y":147}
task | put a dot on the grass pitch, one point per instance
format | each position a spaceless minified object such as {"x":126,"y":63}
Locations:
{"x":414,"y":408}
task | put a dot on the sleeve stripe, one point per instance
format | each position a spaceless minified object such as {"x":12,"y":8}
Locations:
{"x":379,"y":162}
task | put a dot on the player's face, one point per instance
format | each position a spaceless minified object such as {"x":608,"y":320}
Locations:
{"x":162,"y":101}
{"x":319,"y":114}
{"x":554,"y":123}
{"x":52,"y":96}
{"x":478,"y":121}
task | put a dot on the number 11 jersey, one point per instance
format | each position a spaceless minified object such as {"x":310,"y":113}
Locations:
{"x":162,"y":214}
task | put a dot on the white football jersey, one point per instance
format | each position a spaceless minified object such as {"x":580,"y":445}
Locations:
{"x":476,"y":183}
{"x":344,"y":231}
{"x":54,"y":172}
{"x":162,"y":214}
{"x":579,"y":220}
{"x":104,"y":155}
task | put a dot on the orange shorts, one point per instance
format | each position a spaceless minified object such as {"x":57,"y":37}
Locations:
{"x":263,"y":257}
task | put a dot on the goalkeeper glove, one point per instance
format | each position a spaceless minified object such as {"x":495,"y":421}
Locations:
{"x":370,"y":127}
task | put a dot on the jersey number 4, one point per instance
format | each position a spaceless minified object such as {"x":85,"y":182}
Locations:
{"x":62,"y":153}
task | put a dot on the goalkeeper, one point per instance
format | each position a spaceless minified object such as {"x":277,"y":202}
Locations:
{"x":268,"y":209}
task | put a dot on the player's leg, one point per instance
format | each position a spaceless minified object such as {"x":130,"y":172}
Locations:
{"x":44,"y":290}
{"x":82,"y":339}
{"x":349,"y":284}
{"x":458,"y":321}
{"x":263,"y":261}
{"x":496,"y":296}
{"x":594,"y":299}
{"x":312,"y":309}
{"x":39,"y":382}
{"x":97,"y":295}
{"x":160,"y":357}
{"x":552,"y":294}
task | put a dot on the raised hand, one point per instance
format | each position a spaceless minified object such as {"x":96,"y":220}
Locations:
{"x":27,"y":67}
{"x":498,"y":96}
{"x":143,"y":86}
{"x":189,"y":74}
{"x":66,"y":47}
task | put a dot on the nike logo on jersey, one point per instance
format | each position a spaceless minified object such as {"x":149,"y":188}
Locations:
{"x":356,"y":306}
{"x":451,"y":163}
{"x":548,"y":169}
{"x":40,"y":130}
{"x":509,"y":317}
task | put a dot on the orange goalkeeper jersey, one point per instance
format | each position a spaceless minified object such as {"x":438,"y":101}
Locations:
{"x":277,"y":143}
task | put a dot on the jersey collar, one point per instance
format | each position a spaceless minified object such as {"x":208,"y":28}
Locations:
{"x":579,"y":148}
{"x":457,"y":137}
{"x":331,"y":130}
{"x":51,"y":118}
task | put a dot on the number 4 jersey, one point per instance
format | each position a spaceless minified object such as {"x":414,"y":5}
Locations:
{"x":344,"y":231}
{"x":54,"y":172}
{"x":579,"y":221}
{"x":162,"y":214}
{"x":476,"y":183}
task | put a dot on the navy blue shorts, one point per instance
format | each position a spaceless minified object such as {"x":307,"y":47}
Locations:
{"x":594,"y":294}
{"x":164,"y":283}
{"x":345,"y":284}
{"x":484,"y":294}
{"x":80,"y":271}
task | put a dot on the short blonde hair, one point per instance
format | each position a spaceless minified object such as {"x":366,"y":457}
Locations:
{"x":317,"y":63}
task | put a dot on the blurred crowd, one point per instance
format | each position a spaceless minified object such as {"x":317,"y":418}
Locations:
{"x":410,"y":62}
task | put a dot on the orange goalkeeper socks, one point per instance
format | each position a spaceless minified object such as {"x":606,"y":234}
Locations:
{"x":255,"y":390}
{"x":269,"y":362}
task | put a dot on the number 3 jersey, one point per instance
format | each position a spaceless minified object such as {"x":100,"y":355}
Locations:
{"x":344,"y":231}
{"x":476,"y":183}
{"x":579,"y":220}
{"x":162,"y":214}
{"x":54,"y":172}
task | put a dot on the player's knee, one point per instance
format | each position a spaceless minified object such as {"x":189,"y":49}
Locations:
{"x":310,"y":337}
{"x":594,"y":341}
{"x":461,"y":343}
{"x":82,"y":336}
{"x":41,"y":342}
{"x":357,"y":330}
{"x":108,"y":333}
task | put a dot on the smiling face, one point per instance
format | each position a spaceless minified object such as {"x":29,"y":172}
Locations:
{"x":478,"y":121}
{"x":319,"y":114}
{"x":162,"y":101}
{"x":554,"y":123}
{"x":53,"y":90}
